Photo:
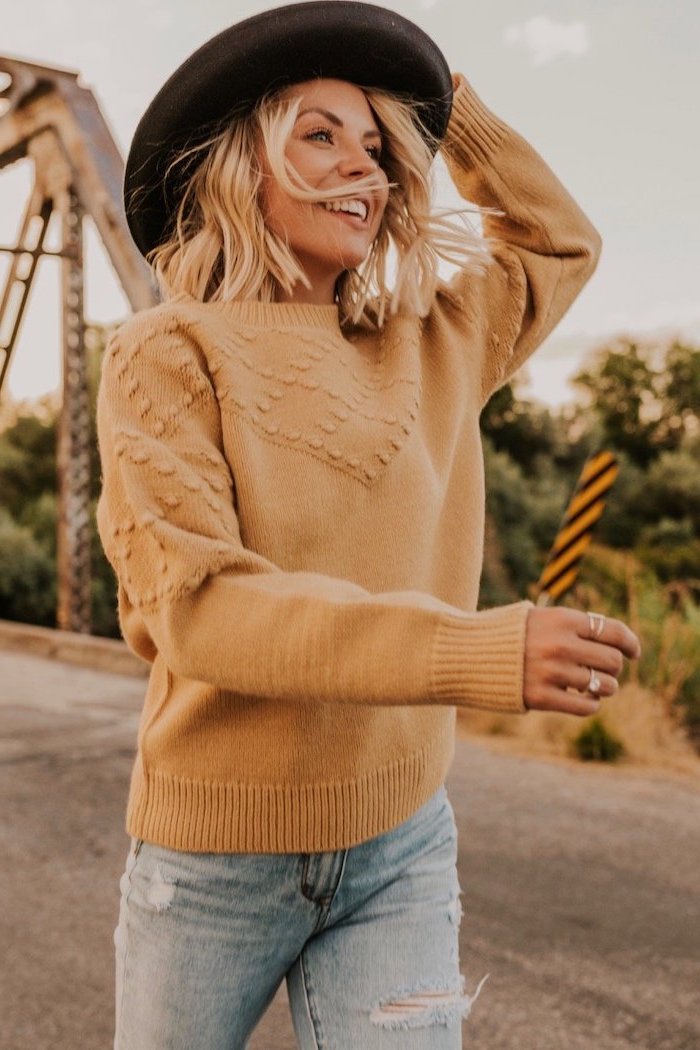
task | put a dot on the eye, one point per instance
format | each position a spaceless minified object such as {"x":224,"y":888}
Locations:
{"x":374,"y":152}
{"x":322,"y":132}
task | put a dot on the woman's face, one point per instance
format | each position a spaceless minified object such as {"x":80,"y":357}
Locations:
{"x":335,"y":140}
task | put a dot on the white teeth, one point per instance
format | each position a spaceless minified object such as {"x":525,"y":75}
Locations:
{"x":353,"y":207}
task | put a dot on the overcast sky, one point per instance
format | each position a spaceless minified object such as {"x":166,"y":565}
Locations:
{"x":607,"y":91}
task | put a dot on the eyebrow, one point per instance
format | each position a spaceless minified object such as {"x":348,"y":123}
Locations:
{"x":372,"y":133}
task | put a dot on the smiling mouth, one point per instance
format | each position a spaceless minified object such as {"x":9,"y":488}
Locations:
{"x":350,"y":209}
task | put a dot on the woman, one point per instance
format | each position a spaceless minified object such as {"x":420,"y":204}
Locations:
{"x":293,"y":505}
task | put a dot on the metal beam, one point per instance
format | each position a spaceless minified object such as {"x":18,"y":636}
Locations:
{"x":56,"y":123}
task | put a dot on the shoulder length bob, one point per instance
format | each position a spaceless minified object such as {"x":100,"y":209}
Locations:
{"x":219,"y":248}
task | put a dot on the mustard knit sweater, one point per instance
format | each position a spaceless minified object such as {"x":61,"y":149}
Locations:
{"x":294,"y":509}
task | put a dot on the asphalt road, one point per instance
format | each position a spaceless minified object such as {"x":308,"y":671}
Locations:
{"x":580,"y":885}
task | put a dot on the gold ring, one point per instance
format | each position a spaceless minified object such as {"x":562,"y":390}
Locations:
{"x":596,"y":623}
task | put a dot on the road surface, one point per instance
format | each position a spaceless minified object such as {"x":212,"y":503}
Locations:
{"x":580,"y":885}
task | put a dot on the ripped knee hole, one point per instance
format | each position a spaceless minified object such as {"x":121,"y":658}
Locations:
{"x":425,"y":1007}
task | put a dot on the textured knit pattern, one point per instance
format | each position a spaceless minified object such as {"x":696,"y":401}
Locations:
{"x":294,"y":509}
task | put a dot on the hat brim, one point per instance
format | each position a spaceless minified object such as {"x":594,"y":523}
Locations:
{"x":343,"y":39}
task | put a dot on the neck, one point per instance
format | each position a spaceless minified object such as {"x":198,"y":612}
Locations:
{"x":320,"y":293}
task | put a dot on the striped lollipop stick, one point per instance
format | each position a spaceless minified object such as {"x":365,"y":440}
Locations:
{"x":574,"y":535}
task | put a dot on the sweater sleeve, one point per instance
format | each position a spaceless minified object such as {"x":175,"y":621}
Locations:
{"x":222,"y":613}
{"x":544,"y":247}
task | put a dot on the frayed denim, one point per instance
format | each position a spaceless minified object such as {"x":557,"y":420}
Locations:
{"x":366,"y":938}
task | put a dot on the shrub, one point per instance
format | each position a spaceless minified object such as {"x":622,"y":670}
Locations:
{"x":595,"y":743}
{"x":524,"y":513}
{"x":27,"y":576}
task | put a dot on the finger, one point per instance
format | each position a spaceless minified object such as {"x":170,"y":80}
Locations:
{"x":608,"y":683}
{"x":614,"y":632}
{"x":569,"y":703}
{"x":583,"y":706}
{"x":619,"y":635}
{"x":606,"y":658}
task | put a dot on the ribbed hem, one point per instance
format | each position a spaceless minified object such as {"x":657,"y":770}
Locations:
{"x":272,"y":315}
{"x":479,"y":662}
{"x":201,"y":816}
{"x":474,"y":131}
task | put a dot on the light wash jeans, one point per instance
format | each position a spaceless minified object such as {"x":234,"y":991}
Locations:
{"x":366,"y":937}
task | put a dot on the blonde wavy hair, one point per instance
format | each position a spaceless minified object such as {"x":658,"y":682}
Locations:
{"x":220,"y":249}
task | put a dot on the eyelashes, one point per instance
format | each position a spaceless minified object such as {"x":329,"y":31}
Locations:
{"x":373,"y":151}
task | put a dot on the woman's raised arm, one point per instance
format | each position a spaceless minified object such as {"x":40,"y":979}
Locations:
{"x":544,"y":246}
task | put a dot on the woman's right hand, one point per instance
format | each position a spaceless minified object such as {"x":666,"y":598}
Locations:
{"x":561,"y":649}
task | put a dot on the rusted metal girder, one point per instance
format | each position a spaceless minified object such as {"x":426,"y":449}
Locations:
{"x":73,"y":453}
{"x":50,"y":119}
{"x":21,"y":273}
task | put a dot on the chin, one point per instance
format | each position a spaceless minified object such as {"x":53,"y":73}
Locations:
{"x":351,"y":260}
{"x":350,"y":263}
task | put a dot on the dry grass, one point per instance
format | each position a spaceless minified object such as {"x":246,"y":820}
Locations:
{"x":634,"y":715}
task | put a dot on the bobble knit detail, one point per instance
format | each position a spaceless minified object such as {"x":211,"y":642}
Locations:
{"x":356,"y":412}
{"x":294,"y":510}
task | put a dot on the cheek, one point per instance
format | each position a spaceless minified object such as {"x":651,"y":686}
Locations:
{"x":312,"y":165}
{"x":278,"y":209}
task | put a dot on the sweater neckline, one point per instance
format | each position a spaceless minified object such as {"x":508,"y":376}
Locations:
{"x":275,"y":315}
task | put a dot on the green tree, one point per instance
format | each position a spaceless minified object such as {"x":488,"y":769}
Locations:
{"x":525,"y":508}
{"x":520,"y":428}
{"x":27,"y":576}
{"x":673,"y":485}
{"x":27,"y":461}
{"x":626,"y":392}
{"x":682,"y":387}
{"x":671,"y":548}
{"x":646,"y":397}
{"x":28,"y":493}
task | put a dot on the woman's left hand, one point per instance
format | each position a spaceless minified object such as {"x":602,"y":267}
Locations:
{"x":567,"y":652}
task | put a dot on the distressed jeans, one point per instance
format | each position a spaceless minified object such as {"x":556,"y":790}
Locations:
{"x":366,"y":938}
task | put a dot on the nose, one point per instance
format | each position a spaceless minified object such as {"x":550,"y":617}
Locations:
{"x":356,"y":162}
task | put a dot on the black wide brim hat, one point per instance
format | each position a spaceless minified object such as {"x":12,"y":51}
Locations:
{"x":341,"y":39}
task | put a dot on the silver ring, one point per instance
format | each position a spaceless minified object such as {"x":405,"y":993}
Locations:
{"x":593,"y":687}
{"x":596,"y":623}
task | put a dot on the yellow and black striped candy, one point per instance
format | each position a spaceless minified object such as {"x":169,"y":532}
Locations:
{"x":584,"y":510}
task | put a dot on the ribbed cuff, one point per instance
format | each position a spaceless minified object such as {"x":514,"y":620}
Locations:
{"x":479,"y":661}
{"x":474,"y":131}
